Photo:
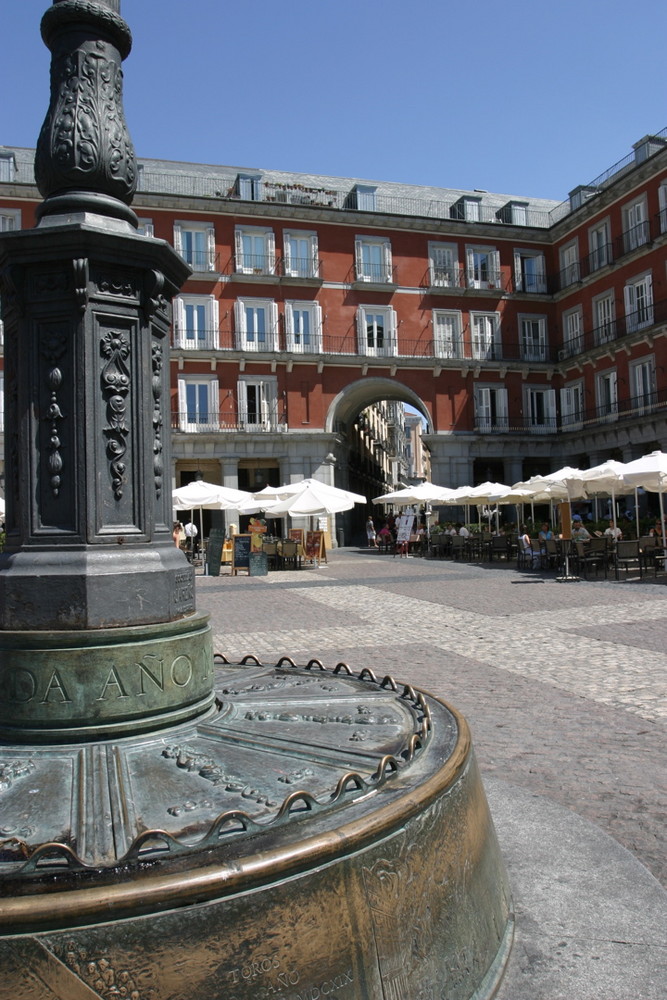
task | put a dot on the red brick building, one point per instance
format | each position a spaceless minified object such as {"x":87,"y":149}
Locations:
{"x":529,"y":334}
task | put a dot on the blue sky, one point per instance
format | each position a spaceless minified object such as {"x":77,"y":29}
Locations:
{"x":516,"y":97}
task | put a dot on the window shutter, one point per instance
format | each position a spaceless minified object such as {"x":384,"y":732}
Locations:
{"x":210,"y":244}
{"x":494,"y":277}
{"x":393,"y":331}
{"x":518,"y":273}
{"x":386,"y":257}
{"x":239,"y":323}
{"x":358,"y":258}
{"x":182,"y":405}
{"x":179,"y":318}
{"x":273,"y":318}
{"x":213,"y":403}
{"x":313,"y":255}
{"x":630,"y":295}
{"x":470,"y":266}
{"x":238,"y":249}
{"x":550,"y":406}
{"x":242,"y":394}
{"x":361,"y":330}
{"x":270,"y":245}
{"x":178,"y":238}
{"x":317,"y":326}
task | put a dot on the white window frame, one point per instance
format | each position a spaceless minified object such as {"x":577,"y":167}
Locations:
{"x":447,"y":333}
{"x":7,"y":168}
{"x":189,"y":332}
{"x":248,"y":338}
{"x":530,"y":283}
{"x":201,"y":261}
{"x":378,"y":272}
{"x":638,"y":299}
{"x":485,"y":335}
{"x":266,"y":393}
{"x":635,"y":224}
{"x":606,"y":394}
{"x":10,"y":219}
{"x":570,"y":271}
{"x":367,"y":342}
{"x":572,"y":405}
{"x":251,"y":262}
{"x":482,"y":267}
{"x":533,"y":337}
{"x":599,"y":245}
{"x":643,"y":384}
{"x":298,"y":266}
{"x":191,"y":419}
{"x":491,"y":413}
{"x":295,"y":339}
{"x":443,"y":264}
{"x":604,"y":312}
{"x":539,"y":407}
{"x":662,"y":202}
{"x":146,"y":227}
{"x":573,"y":331}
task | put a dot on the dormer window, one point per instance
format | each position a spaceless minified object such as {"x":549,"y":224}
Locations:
{"x":365,"y":197}
{"x":466,"y":209}
{"x":7,"y":167}
{"x":249,"y":187}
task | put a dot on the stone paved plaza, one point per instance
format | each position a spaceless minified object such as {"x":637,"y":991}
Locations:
{"x":563,"y":684}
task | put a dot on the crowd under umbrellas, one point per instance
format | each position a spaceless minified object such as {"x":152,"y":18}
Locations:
{"x":310,"y":498}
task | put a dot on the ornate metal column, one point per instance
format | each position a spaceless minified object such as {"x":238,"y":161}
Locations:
{"x":300,"y":833}
{"x":87,"y":311}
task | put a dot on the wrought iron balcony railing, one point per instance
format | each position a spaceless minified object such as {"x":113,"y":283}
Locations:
{"x":224,"y":423}
{"x":649,"y":315}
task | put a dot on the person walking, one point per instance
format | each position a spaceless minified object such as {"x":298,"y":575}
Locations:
{"x":370,"y":533}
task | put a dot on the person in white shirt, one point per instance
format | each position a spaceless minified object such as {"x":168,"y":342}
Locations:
{"x":191,"y":536}
{"x":462,"y":530}
{"x":613,"y":532}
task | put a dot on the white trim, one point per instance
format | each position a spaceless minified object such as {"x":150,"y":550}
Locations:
{"x":296,"y":339}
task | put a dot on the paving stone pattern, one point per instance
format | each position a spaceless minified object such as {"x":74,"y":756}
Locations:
{"x":563,"y":684}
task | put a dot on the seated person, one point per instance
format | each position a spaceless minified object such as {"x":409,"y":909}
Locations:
{"x":613,"y":532}
{"x":579,"y":533}
{"x":526,"y":548}
{"x":461,"y":530}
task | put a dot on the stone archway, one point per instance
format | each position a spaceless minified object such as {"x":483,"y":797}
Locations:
{"x":365,"y":391}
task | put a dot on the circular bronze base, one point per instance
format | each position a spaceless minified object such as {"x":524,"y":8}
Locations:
{"x":318,"y":834}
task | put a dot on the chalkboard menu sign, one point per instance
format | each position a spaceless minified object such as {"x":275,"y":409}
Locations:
{"x":216,"y":540}
{"x":258,"y":564}
{"x":240,"y":553}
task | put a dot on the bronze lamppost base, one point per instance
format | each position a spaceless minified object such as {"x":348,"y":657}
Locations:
{"x":315,"y":834}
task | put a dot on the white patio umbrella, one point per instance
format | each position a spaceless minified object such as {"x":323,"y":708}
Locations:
{"x":608,"y":477}
{"x":650,"y":471}
{"x":423,"y":493}
{"x":200,"y":495}
{"x":314,"y":499}
{"x":483,"y":495}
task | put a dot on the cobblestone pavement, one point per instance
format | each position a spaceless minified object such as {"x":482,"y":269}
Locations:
{"x":563,"y":684}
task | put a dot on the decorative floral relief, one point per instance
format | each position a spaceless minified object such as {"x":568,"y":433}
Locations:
{"x":158,"y":465}
{"x":116,"y":386}
{"x":53,"y":346}
{"x":85,"y":140}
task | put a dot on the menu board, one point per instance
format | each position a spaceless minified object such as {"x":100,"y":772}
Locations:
{"x":240,"y":553}
{"x":296,"y":535}
{"x":315,"y":546}
{"x":214,"y":545}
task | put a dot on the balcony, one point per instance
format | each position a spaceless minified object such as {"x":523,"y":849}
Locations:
{"x":195,"y":340}
{"x":615,"y":330}
{"x":261,"y":265}
{"x":219,"y":423}
{"x":377,"y":276}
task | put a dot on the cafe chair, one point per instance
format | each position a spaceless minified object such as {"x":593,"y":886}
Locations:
{"x":272,"y":557}
{"x":650,"y":553}
{"x":500,"y":547}
{"x":590,"y":557}
{"x":627,"y":556}
{"x":289,"y":554}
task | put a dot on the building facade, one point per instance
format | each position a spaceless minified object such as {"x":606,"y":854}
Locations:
{"x":527,"y":333}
